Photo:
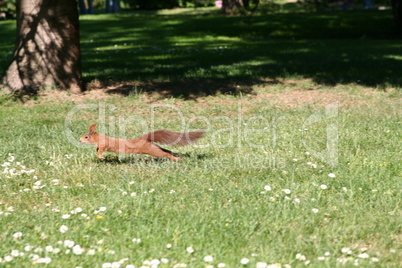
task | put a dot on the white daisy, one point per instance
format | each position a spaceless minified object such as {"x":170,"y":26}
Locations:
{"x":63,"y":229}
{"x":208,"y":258}
{"x":244,"y":261}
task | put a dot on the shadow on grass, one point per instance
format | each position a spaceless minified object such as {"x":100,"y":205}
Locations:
{"x":116,"y":160}
{"x":185,"y":89}
{"x":191,"y":56}
{"x":185,"y":56}
{"x":131,"y":159}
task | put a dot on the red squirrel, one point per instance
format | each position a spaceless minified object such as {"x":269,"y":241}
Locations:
{"x":142,"y":145}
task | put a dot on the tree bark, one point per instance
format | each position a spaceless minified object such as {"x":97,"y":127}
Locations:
{"x":47,"y":48}
{"x":229,"y":6}
{"x":397,"y":11}
{"x":243,"y":6}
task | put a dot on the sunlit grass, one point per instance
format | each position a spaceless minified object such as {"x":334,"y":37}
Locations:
{"x":258,"y":190}
{"x":329,"y":47}
{"x":255,"y":190}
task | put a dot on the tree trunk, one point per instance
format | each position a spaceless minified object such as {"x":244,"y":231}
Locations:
{"x":47,"y":49}
{"x":397,"y":10}
{"x":229,"y":6}
{"x":243,"y":6}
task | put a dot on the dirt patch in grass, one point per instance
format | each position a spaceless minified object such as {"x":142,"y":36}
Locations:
{"x":286,"y":94}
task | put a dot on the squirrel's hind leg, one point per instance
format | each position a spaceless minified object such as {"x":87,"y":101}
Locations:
{"x":159,"y":152}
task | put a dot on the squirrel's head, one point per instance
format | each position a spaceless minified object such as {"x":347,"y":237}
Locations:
{"x":88,"y":137}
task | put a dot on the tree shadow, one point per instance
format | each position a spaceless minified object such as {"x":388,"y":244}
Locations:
{"x":192,"y":56}
{"x":186,"y":89}
{"x":188,"y":57}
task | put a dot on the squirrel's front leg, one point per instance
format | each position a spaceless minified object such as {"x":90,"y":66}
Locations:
{"x":100,"y":151}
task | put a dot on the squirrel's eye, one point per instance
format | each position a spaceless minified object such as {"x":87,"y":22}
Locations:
{"x":86,"y":137}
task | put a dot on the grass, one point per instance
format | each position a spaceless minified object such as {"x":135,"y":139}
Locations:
{"x":158,"y":51}
{"x":216,"y":200}
{"x":254,"y":49}
{"x":301,"y":164}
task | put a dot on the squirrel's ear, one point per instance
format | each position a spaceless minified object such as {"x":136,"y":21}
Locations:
{"x":92,"y":128}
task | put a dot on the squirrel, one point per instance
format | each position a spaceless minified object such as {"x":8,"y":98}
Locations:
{"x":143,"y":145}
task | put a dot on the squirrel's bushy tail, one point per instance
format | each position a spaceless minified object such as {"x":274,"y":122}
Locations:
{"x":173,"y":138}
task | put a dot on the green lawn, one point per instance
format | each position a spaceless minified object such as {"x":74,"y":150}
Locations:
{"x":301,"y":163}
{"x":328,"y":47}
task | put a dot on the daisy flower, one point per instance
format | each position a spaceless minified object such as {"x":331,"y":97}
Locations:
{"x":287,"y":191}
{"x":244,"y":261}
{"x":363,"y":256}
{"x":208,"y":258}
{"x":63,"y":229}
{"x":136,"y":240}
{"x":17,"y":235}
{"x":300,"y":257}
